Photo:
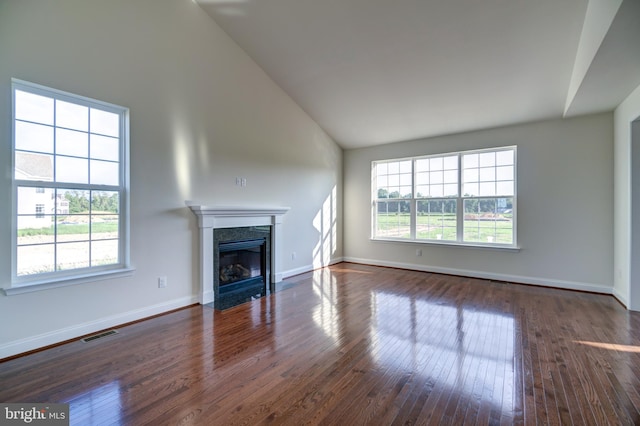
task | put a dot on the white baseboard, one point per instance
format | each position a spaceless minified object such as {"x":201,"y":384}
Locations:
{"x":309,"y":268}
{"x":35,"y":342}
{"x":567,"y":285}
{"x":621,"y":298}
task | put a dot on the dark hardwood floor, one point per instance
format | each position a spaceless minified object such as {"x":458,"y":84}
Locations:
{"x":355,"y":344}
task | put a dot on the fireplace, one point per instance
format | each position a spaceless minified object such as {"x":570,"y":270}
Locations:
{"x":241,"y":265}
{"x":222,"y":224}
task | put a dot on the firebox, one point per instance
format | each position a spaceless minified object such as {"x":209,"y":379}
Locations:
{"x":241,"y":265}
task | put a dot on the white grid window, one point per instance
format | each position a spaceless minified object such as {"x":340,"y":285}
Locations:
{"x":70,"y":158}
{"x":460,"y":198}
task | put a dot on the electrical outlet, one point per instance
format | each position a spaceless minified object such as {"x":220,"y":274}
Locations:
{"x":419,"y":252}
{"x":293,"y":256}
{"x":162,"y":282}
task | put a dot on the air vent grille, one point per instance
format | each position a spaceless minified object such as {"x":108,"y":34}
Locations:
{"x":99,"y":336}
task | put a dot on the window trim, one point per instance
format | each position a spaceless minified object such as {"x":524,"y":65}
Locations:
{"x":34,"y":282}
{"x":459,"y":242}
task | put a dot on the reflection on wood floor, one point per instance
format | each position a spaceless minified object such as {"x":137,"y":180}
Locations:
{"x":355,"y":344}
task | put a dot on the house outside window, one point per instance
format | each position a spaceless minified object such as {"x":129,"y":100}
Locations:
{"x":40,"y":211}
{"x":70,"y":160}
{"x":464,"y":198}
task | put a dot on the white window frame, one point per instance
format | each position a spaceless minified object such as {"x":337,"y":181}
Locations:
{"x":41,"y":281}
{"x":459,"y":199}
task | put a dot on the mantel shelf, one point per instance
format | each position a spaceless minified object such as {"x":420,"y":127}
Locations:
{"x":228,"y":211}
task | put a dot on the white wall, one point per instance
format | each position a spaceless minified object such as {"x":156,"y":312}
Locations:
{"x":202,"y":114}
{"x":565,"y":195}
{"x":627,"y":249}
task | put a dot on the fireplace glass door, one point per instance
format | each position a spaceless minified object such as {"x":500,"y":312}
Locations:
{"x":241,"y":264}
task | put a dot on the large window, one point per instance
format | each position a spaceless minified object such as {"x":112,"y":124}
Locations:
{"x":459,"y":198}
{"x":69,"y":186}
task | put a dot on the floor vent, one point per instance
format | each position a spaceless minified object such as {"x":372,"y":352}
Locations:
{"x":99,"y":335}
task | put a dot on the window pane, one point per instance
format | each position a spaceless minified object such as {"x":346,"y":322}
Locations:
{"x":487,"y":188}
{"x":105,"y":148}
{"x":451,"y":176}
{"x":105,"y":123}
{"x":422,"y":165}
{"x":422,"y":178}
{"x":105,"y":202}
{"x":394,"y":168}
{"x":393,"y":219}
{"x":450,"y":190}
{"x":104,"y":227}
{"x":394,"y":180}
{"x":422,"y":191}
{"x":504,"y":188}
{"x":436,"y":191}
{"x":104,"y":252}
{"x":405,"y":166}
{"x":382,"y":169}
{"x":487,"y":159}
{"x":70,"y":142}
{"x":72,"y":255}
{"x":436,"y":220}
{"x":504,"y":173}
{"x":487,"y":174}
{"x":72,"y":170}
{"x":72,"y":116}
{"x":451,"y":162}
{"x":35,"y":259}
{"x":71,"y":201}
{"x":35,"y":230}
{"x":36,"y":108}
{"x":405,"y":192}
{"x":31,"y":166}
{"x":488,"y":220}
{"x":470,"y":161}
{"x":504,"y":158}
{"x":29,"y":197}
{"x":34,"y":137}
{"x":106,"y":173}
{"x":72,"y":228}
{"x":470,"y":175}
{"x":436,"y":177}
{"x":436,"y":163}
{"x":405,"y":179}
{"x":470,"y":190}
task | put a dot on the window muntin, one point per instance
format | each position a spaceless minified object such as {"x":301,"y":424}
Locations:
{"x":70,"y":160}
{"x":461,"y":198}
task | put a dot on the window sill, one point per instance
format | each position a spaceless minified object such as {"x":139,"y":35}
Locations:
{"x":32,"y":286}
{"x":451,"y":244}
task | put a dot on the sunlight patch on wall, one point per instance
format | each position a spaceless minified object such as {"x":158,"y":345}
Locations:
{"x":182,"y":157}
{"x":325,"y":223}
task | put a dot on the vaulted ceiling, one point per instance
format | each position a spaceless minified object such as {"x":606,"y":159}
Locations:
{"x":378,"y":71}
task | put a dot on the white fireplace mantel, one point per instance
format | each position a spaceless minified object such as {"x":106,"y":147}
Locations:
{"x":213,"y":217}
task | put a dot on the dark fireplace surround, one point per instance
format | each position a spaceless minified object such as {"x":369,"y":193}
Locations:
{"x":241,"y":264}
{"x":224,"y":224}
